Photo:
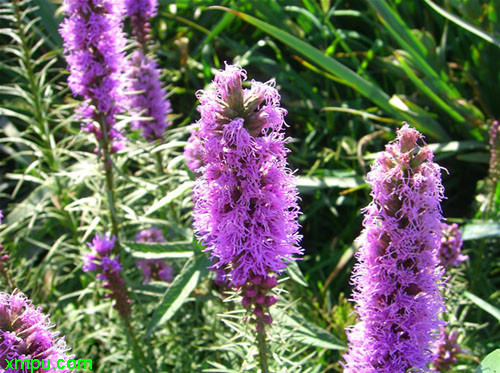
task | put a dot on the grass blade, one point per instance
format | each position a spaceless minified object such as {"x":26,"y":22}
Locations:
{"x":465,"y":25}
{"x":485,"y":306}
{"x":178,"y":291}
{"x":351,"y":79}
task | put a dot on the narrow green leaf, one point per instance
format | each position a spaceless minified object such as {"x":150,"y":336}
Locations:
{"x":305,"y":332}
{"x":168,"y":250}
{"x":465,"y":25}
{"x":485,"y":306}
{"x":295,"y":273}
{"x":491,"y":363}
{"x":407,"y":40}
{"x":479,"y":230}
{"x":397,"y":26}
{"x":46,"y":10}
{"x":428,"y":92}
{"x":176,"y":193}
{"x":308,"y":184}
{"x":216,"y":30}
{"x":456,"y":146}
{"x":179,"y":291}
{"x":353,"y":80}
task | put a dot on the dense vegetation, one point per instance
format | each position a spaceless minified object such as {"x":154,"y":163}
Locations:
{"x":349,"y":73}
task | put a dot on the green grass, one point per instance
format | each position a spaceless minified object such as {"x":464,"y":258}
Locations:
{"x":349,"y":73}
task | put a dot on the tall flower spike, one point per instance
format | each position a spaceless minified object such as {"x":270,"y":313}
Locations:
{"x":148,"y":97}
{"x":140,"y":11}
{"x":449,"y":253}
{"x":93,"y":45}
{"x":25,"y":333}
{"x":156,"y":269}
{"x":397,"y":280}
{"x":108,"y":268}
{"x":245,"y":199}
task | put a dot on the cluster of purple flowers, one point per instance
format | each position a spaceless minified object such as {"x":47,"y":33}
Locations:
{"x":148,"y":98}
{"x":93,"y":44}
{"x":449,"y":252}
{"x":446,"y":350}
{"x":108,"y":269}
{"x":397,"y":275}
{"x":139,"y":12}
{"x":155,"y":269}
{"x":245,"y":198}
{"x":25,"y":333}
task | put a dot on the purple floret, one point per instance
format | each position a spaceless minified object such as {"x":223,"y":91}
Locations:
{"x":148,"y":97}
{"x":397,"y":279}
{"x":108,"y":267}
{"x":193,"y":151}
{"x":245,"y":199}
{"x":25,"y":333}
{"x":93,"y":46}
{"x":449,"y":253}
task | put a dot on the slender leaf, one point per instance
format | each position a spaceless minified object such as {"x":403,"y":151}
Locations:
{"x":465,"y":25}
{"x":479,"y":230}
{"x":485,"y":306}
{"x":170,"y":250}
{"x":179,"y":291}
{"x":308,"y":184}
{"x":355,"y":81}
{"x":305,"y":332}
{"x":174,"y":194}
{"x":295,"y":273}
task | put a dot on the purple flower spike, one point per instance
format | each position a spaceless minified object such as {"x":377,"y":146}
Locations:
{"x":153,"y":269}
{"x":446,"y":351}
{"x":140,"y":12}
{"x":449,"y":253}
{"x":93,"y":45}
{"x":148,"y":98}
{"x":397,"y":278}
{"x":246,"y":207}
{"x":245,"y":199}
{"x":108,"y":268}
{"x":25,"y":333}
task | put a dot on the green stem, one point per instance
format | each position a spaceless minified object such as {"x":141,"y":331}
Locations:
{"x":261,"y":337}
{"x":137,"y":350}
{"x":108,"y":169}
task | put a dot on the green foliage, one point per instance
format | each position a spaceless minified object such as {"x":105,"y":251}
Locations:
{"x":491,"y":363}
{"x":348,"y":73}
